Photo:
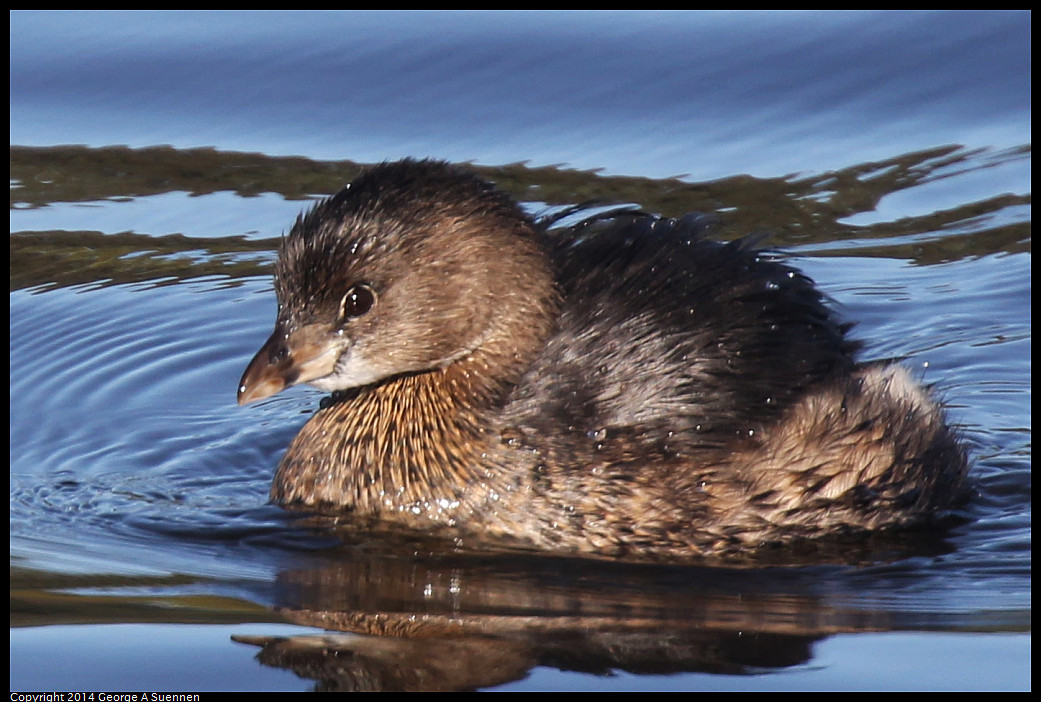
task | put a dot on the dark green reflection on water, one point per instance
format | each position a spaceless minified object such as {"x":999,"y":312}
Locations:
{"x":794,"y":210}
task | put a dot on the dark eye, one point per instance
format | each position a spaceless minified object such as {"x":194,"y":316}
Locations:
{"x":358,"y":300}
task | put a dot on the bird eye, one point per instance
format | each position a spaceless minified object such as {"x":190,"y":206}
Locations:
{"x":358,"y":300}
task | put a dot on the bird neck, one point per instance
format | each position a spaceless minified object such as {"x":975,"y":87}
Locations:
{"x":421,"y":443}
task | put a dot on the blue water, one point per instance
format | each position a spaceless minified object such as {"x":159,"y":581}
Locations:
{"x":888,"y":153}
{"x":651,"y":94}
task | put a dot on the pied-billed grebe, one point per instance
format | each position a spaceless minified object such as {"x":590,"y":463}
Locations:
{"x":622,"y":387}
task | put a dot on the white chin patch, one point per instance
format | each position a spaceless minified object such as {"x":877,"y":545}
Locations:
{"x":351,"y":372}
